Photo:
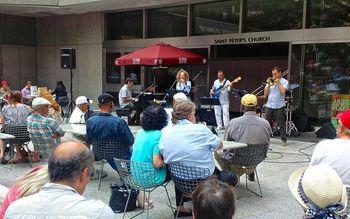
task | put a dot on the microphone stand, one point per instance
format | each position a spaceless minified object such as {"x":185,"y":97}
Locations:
{"x":171,"y":87}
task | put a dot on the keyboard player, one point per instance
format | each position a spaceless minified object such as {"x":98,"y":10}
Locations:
{"x":127,"y":101}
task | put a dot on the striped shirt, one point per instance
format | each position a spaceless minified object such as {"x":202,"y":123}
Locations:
{"x":16,"y":115}
{"x":43,"y":129}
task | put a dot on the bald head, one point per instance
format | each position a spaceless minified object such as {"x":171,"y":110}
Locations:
{"x":68,"y":159}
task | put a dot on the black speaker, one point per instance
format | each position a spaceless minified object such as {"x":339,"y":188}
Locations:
{"x":206,"y":115}
{"x":68,"y":58}
{"x":327,"y":131}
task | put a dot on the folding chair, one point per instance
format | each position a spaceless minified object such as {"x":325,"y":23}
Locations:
{"x":139,"y":176}
{"x":250,"y":156}
{"x":186,"y":178}
{"x":108,"y":149}
{"x":21,"y":137}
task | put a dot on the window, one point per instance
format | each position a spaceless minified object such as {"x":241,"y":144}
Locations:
{"x":215,"y":18}
{"x":268,"y":15}
{"x":113,"y":75}
{"x":328,"y":13}
{"x":124,"y":25}
{"x":167,"y":22}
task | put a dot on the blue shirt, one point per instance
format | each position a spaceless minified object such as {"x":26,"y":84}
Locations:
{"x":276,"y":97}
{"x":105,"y":126}
{"x":146,"y":145}
{"x":189,"y":143}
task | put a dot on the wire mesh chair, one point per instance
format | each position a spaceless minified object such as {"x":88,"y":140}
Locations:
{"x":139,"y":176}
{"x":21,"y":138}
{"x":347,"y":209}
{"x":108,"y":149}
{"x":186,"y":178}
{"x":250,"y":157}
{"x":43,"y":146}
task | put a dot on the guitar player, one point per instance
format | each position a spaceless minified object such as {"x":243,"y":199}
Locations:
{"x":222,"y":115}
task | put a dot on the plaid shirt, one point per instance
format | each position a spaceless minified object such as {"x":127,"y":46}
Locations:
{"x":42,"y":130}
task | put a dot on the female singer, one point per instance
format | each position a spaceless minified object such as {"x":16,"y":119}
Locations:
{"x":183,"y":83}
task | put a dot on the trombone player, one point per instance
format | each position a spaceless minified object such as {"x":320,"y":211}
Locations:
{"x":275,"y":90}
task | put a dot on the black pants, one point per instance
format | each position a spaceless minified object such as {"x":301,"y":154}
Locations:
{"x":279,"y":115}
{"x":136,"y":117}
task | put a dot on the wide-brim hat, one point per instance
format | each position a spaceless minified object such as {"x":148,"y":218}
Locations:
{"x":321,"y":184}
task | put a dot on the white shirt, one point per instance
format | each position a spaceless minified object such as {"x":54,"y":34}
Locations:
{"x":224,"y":100}
{"x":276,"y":98}
{"x":334,"y":153}
{"x":77,"y":116}
{"x":124,"y":92}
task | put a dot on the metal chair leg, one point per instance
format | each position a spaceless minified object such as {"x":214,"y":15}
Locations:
{"x":257,"y":180}
{"x":167,"y":194}
{"x":100,"y":175}
{"x":177,"y":211}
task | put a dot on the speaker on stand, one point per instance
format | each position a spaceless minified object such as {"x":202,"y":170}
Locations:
{"x":68,"y":61}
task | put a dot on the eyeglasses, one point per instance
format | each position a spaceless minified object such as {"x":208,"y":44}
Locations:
{"x":92,"y":171}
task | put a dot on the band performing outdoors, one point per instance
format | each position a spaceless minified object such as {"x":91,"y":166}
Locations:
{"x":176,"y":135}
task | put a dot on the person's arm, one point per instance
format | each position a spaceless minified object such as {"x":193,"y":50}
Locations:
{"x":221,"y":145}
{"x":158,"y":161}
{"x":187,"y":87}
{"x":266,"y":90}
{"x":281,"y":86}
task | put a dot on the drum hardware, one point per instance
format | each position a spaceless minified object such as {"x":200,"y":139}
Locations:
{"x":290,"y":126}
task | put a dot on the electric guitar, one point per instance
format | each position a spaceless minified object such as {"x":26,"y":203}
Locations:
{"x":217,"y":91}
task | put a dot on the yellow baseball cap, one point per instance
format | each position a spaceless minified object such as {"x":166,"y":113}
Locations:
{"x":249,"y":100}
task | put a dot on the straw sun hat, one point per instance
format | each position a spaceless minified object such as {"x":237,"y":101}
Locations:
{"x":317,"y":188}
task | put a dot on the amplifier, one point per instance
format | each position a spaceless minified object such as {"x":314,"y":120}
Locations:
{"x":206,"y":115}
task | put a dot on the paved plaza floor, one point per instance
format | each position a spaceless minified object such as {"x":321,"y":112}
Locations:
{"x":277,"y":201}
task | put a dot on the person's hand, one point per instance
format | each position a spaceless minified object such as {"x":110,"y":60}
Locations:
{"x":211,"y":91}
{"x":135,"y":99}
{"x":182,"y":80}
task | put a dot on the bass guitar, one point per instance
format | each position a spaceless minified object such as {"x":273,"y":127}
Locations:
{"x":217,"y":91}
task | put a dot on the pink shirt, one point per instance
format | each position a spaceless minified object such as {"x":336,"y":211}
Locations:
{"x":11,"y":196}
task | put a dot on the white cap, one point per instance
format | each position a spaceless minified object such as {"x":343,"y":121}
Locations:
{"x":81,"y":100}
{"x":179,"y":97}
{"x":40,"y":101}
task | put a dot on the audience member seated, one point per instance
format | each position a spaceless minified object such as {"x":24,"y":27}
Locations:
{"x":145,"y":149}
{"x":176,"y":98}
{"x":190,"y":144}
{"x":41,"y":127}
{"x":26,"y":185}
{"x":250,"y":129}
{"x":70,"y":170}
{"x":14,"y":113}
{"x":335,"y":152}
{"x":319,"y":190}
{"x":105,"y":126}
{"x":213,"y":199}
{"x":81,"y":107}
{"x":26,"y":94}
{"x":55,"y":110}
{"x":4,"y":93}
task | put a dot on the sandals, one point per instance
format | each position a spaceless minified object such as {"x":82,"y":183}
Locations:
{"x":146,"y":205}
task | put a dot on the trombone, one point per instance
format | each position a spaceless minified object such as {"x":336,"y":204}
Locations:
{"x":270,"y":81}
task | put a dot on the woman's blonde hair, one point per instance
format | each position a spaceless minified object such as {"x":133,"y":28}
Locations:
{"x":182,"y":110}
{"x":31,"y":182}
{"x":187,"y":77}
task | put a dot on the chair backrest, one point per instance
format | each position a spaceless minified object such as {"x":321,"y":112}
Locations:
{"x":250,"y":156}
{"x":186,"y":178}
{"x":138,"y":175}
{"x":43,"y":145}
{"x":110,"y":149}
{"x":347,"y":209}
{"x":19,"y":131}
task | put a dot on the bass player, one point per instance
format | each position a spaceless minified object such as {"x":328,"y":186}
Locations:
{"x":222,"y":115}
